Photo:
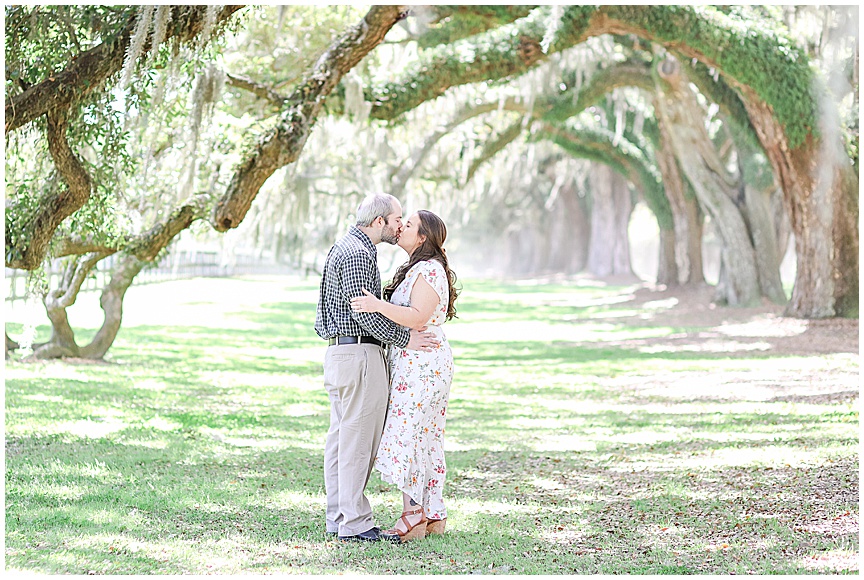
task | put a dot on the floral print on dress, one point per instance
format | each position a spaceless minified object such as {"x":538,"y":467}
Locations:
{"x":411,"y":453}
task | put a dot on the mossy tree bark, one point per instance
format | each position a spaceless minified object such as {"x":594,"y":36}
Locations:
{"x":572,"y":224}
{"x":798,"y":132}
{"x":455,"y":22}
{"x":687,"y":217}
{"x":55,"y":206}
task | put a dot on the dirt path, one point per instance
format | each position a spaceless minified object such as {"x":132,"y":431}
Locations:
{"x":693,"y":308}
{"x":833,"y":377}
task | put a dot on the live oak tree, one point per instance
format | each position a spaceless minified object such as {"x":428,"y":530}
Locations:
{"x":62,"y":63}
{"x":770,"y":90}
{"x":60,"y":87}
{"x":770,"y":74}
{"x":90,"y":70}
{"x":750,"y":261}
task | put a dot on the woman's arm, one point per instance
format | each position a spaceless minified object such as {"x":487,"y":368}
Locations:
{"x":424,"y":299}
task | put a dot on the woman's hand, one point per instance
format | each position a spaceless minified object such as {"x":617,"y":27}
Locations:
{"x":366,"y":303}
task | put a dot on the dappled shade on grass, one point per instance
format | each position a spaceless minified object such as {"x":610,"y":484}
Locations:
{"x":197,"y":448}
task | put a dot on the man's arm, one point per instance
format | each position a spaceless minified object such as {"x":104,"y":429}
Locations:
{"x":357,"y":272}
{"x":424,"y":299}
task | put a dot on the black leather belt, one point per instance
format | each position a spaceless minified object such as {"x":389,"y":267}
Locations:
{"x":354,"y":340}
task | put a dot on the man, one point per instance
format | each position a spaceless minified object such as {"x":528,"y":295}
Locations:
{"x":355,"y":371}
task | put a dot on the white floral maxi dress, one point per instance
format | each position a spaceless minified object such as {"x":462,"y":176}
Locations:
{"x":411,"y":454}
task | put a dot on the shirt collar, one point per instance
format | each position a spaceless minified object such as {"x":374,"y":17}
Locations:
{"x":364,"y":239}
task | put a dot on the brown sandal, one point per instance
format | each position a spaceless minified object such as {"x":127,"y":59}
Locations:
{"x":436,"y":526}
{"x":415,"y":532}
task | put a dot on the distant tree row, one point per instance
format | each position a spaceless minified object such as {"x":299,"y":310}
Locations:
{"x":126,"y":126}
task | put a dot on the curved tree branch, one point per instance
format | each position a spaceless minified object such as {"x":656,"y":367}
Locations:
{"x":406,"y":169}
{"x":91,"y":68}
{"x":493,"y":147}
{"x":57,"y":97}
{"x":56,"y":206}
{"x":284,"y":144}
{"x":257,"y":89}
{"x":456,"y":22}
{"x":76,"y":245}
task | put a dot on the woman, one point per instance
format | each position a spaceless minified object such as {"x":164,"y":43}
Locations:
{"x":411,"y":454}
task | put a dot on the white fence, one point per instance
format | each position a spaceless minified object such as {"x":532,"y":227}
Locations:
{"x":176,"y":265}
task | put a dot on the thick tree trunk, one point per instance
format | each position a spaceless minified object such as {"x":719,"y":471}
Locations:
{"x":821,"y":192}
{"x":723,"y":291}
{"x":579,"y":237}
{"x":695,"y":229}
{"x":62,"y":342}
{"x":568,"y":233}
{"x":846,"y":242}
{"x":609,"y":250}
{"x":112,"y":305}
{"x":667,"y":265}
{"x":686,"y":215}
{"x":782,"y":225}
{"x":717,"y":191}
{"x":623,"y":201}
{"x":762,"y":233}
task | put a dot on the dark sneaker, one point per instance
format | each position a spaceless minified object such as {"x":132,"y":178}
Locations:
{"x":373,"y":535}
{"x":390,"y":536}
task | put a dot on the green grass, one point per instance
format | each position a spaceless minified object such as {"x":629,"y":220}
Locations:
{"x":574,"y":444}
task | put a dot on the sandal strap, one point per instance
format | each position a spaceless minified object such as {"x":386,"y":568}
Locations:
{"x":408,"y":525}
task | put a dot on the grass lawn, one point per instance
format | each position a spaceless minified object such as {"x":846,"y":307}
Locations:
{"x":588,"y":432}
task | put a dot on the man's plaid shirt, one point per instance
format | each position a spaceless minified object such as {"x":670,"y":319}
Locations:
{"x":351,"y":265}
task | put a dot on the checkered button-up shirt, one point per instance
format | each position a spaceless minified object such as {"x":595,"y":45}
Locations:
{"x":351,"y":265}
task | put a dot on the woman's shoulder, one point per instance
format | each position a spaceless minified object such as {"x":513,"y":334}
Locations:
{"x":426,"y":265}
{"x":431,"y":266}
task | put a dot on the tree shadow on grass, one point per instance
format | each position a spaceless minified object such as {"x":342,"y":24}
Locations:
{"x":226,"y":476}
{"x":632,"y":521}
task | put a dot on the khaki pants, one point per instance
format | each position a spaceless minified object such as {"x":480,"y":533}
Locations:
{"x":355,"y":377}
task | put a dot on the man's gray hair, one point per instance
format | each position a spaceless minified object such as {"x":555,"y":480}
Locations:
{"x":373,"y":206}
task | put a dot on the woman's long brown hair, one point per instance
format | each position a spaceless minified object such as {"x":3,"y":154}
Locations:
{"x":432,"y":248}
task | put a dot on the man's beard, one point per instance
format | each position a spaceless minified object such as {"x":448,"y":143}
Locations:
{"x":389,"y":236}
